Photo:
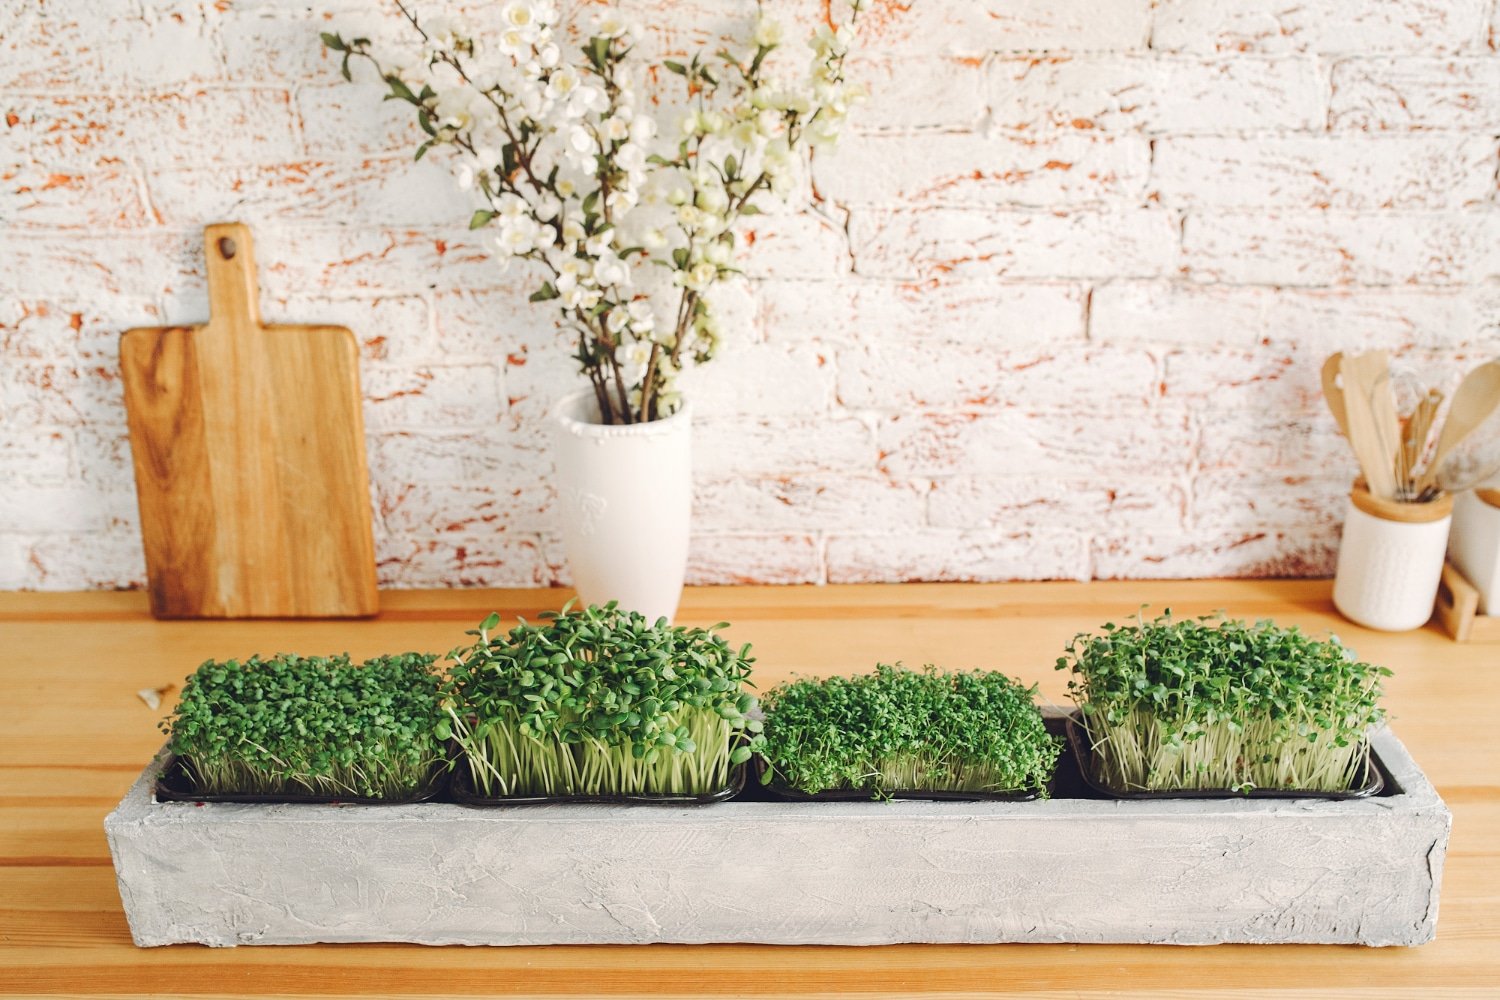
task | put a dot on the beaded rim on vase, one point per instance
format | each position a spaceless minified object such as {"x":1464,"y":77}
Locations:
{"x":570,"y":414}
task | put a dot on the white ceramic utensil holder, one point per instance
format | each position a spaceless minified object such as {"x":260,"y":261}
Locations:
{"x":1390,"y":560}
{"x":1474,"y":544}
{"x":626,"y":495}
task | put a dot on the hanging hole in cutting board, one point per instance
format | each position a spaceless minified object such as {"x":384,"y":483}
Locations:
{"x":227,"y":249}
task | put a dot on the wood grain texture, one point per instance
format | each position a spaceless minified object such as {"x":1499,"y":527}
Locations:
{"x":1457,"y":609}
{"x":69,"y":749}
{"x":248,"y":445}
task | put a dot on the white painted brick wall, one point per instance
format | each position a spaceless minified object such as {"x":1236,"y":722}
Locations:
{"x":1057,"y":311}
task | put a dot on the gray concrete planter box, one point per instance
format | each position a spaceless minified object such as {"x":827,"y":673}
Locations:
{"x":852,"y":873}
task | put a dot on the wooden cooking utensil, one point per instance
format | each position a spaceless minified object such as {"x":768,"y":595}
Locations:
{"x":1332,"y":393}
{"x":1374,"y":430}
{"x":249,"y":457}
{"x":1414,"y":443}
{"x":1477,"y":397}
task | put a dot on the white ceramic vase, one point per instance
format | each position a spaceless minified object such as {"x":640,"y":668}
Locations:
{"x":626,"y":494}
{"x":1390,"y":561}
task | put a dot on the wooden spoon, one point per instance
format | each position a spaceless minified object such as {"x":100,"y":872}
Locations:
{"x":1477,"y":396}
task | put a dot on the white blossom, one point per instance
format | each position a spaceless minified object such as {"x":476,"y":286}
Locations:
{"x":611,"y":271}
{"x":617,"y":128}
{"x":642,"y":320}
{"x":610,"y":26}
{"x":768,"y":32}
{"x":522,"y":16}
{"x":631,"y":158}
{"x":562,"y":83}
{"x":698,"y":277}
{"x":834,"y":42}
{"x":581,"y":147}
{"x":572,"y":273}
{"x":599,"y":244}
{"x":712,"y":200}
{"x":718,"y":253}
{"x":509,"y":207}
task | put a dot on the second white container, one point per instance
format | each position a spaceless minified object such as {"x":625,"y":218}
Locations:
{"x":1390,"y":560}
{"x":1475,"y":544}
{"x":626,"y":496}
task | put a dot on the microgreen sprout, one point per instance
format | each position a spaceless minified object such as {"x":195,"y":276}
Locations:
{"x":600,"y":701}
{"x":907,"y":730}
{"x":293,"y":725}
{"x":1210,"y":703}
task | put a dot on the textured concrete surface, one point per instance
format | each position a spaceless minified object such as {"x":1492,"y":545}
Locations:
{"x":1059,"y":314}
{"x":1181,"y":872}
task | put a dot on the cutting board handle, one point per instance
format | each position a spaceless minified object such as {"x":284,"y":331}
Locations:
{"x":232,"y":292}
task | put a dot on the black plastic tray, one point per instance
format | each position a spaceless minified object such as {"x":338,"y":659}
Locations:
{"x":175,"y":784}
{"x":1083,"y":754}
{"x":461,"y":790}
{"x":780,"y":791}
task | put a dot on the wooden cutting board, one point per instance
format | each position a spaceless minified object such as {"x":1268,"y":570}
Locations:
{"x":249,"y":457}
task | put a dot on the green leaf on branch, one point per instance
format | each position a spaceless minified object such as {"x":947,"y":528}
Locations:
{"x":333,"y":41}
{"x":422,"y":150}
{"x":591,"y":201}
{"x":545,"y":293}
{"x":680,"y":257}
{"x":481,"y":218}
{"x":675,"y":67}
{"x":400,"y":90}
{"x":730,"y":166}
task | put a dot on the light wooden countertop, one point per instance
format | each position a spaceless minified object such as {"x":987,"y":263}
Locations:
{"x":73,"y":735}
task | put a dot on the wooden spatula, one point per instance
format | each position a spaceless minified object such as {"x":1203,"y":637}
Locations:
{"x":1477,"y":396}
{"x":1332,"y":393}
{"x":249,"y":456}
{"x":1374,"y":429}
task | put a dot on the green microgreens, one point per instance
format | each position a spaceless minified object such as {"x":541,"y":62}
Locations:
{"x":600,"y":701}
{"x":310,"y":725}
{"x":1208,"y":703}
{"x":907,"y":730}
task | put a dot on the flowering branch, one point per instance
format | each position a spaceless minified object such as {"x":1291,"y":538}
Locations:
{"x":559,"y":151}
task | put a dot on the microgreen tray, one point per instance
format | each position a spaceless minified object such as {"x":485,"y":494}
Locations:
{"x":1084,"y":757}
{"x":461,"y":790}
{"x":779,"y":790}
{"x":176,"y":785}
